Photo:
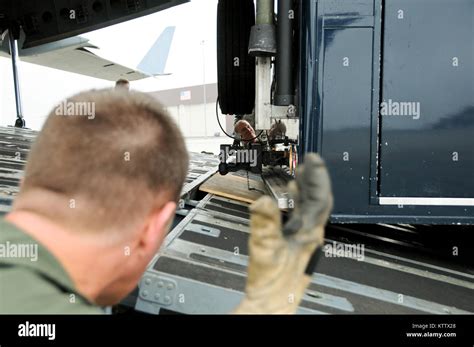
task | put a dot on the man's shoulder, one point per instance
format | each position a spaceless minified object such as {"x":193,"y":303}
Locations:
{"x":23,"y":291}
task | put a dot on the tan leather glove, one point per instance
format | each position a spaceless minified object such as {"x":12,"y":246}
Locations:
{"x":279,"y":256}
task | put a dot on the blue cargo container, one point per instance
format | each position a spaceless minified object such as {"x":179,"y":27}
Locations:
{"x":386,"y":94}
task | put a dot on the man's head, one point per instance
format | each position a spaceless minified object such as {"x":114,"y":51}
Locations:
{"x":122,"y":84}
{"x":277,"y":131}
{"x":245,"y":130}
{"x":116,"y":176}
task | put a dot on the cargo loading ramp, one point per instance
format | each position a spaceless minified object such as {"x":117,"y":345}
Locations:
{"x":202,"y":269}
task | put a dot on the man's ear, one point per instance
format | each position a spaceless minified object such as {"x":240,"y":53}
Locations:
{"x":157,"y":228}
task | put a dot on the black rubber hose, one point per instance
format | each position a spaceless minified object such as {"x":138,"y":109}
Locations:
{"x":284,"y":95}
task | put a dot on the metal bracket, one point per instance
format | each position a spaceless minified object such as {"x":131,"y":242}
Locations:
{"x":263,"y":107}
{"x":205,"y":230}
{"x":262,"y":40}
{"x":158,"y":289}
{"x":276,"y":181}
{"x":284,"y":112}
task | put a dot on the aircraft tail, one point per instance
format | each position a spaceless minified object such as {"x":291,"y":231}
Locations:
{"x":154,"y":62}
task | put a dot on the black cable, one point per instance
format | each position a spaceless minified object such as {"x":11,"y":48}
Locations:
{"x":232,"y":137}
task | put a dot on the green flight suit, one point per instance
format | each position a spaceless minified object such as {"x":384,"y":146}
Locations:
{"x":32,"y":281}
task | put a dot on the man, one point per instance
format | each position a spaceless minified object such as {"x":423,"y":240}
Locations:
{"x":277,"y":131}
{"x":248,"y":135}
{"x":122,"y":84}
{"x":98,"y":197}
{"x":97,"y":200}
{"x":245,"y":131}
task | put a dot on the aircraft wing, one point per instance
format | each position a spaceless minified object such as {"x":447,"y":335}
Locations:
{"x":76,"y":55}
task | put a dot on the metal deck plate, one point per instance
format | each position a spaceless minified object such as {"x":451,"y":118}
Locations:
{"x":15,"y":144}
{"x":276,"y":180}
{"x":224,"y":208}
{"x":201,"y":167}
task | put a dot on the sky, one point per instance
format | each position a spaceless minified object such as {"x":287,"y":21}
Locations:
{"x":192,"y":61}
